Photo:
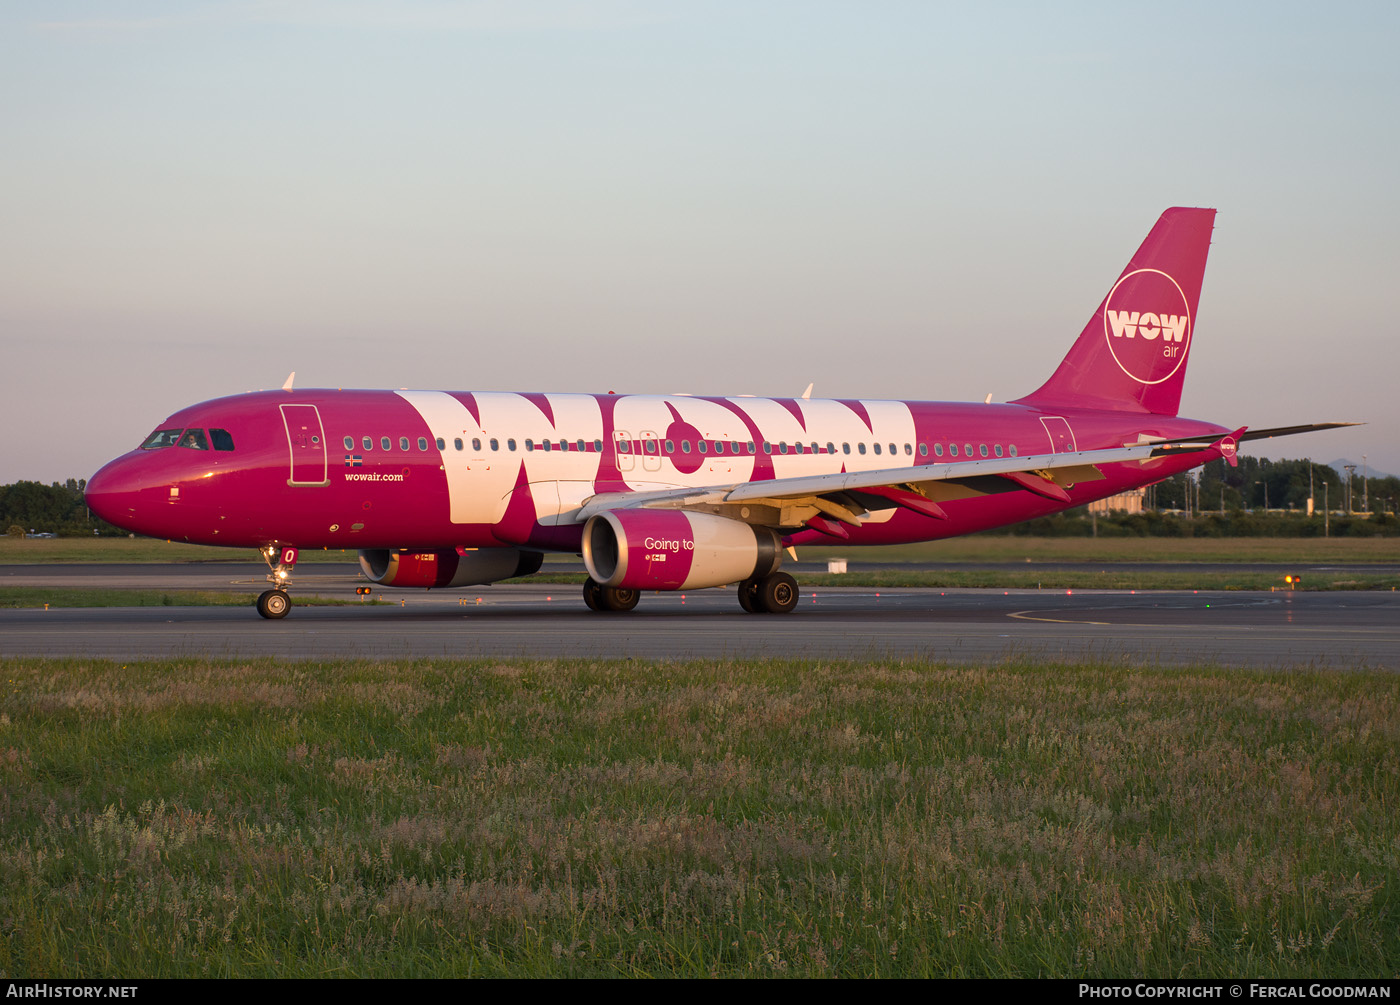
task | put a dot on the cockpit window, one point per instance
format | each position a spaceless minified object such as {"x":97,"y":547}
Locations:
{"x":162,"y":438}
{"x":221,"y":439}
{"x":194,"y":439}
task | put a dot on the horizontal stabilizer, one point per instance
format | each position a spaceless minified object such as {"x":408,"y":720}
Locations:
{"x":1265,"y":434}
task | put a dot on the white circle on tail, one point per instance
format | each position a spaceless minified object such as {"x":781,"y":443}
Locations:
{"x":1147,"y":325}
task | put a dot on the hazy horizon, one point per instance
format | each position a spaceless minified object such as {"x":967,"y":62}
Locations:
{"x":894,"y":200}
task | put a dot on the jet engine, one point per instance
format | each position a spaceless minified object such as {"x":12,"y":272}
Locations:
{"x":648,"y":549}
{"x":428,"y":569}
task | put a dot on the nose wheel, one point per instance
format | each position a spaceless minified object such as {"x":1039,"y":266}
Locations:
{"x":274,"y":604}
{"x":281,"y":559}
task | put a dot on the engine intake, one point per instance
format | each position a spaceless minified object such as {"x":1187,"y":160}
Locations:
{"x":430,"y":569}
{"x":640,"y":549}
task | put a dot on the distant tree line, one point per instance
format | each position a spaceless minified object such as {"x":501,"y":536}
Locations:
{"x":1257,"y":498}
{"x":51,"y":509}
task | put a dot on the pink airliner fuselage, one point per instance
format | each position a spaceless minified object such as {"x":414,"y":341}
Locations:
{"x":448,"y":488}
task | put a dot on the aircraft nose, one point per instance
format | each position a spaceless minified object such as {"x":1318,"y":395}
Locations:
{"x":112,"y":492}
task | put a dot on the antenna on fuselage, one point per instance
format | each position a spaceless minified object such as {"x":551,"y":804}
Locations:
{"x":989,"y":399}
{"x":808,"y":393}
{"x":290,"y":377}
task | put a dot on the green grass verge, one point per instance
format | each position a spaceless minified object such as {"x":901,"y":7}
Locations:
{"x":23,"y":596}
{"x":196,"y":818}
{"x":977,"y":548}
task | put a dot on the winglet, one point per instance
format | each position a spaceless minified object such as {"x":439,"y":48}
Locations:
{"x":290,"y":377}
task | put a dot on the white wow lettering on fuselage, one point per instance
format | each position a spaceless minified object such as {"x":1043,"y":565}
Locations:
{"x":1130,"y":324}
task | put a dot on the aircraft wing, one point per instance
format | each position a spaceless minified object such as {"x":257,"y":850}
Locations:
{"x":843,"y":496}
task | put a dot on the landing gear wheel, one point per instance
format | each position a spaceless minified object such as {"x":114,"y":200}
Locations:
{"x":274,"y":604}
{"x":615,"y":599}
{"x":593,"y":595}
{"x":749,"y":598}
{"x":778,"y":593}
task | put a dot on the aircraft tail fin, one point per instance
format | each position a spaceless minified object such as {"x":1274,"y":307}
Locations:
{"x":1132,"y":354}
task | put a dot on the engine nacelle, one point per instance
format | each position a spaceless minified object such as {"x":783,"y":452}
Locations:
{"x":429,"y":569}
{"x":648,"y":549}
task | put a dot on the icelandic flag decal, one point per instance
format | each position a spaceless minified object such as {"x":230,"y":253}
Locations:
{"x":353,"y":460}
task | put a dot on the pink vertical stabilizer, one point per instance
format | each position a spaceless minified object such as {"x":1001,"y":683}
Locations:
{"x":1132,"y":354}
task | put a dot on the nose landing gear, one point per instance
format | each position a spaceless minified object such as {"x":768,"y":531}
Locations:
{"x":275,"y":603}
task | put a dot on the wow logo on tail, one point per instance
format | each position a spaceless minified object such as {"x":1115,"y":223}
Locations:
{"x":1147,"y":325}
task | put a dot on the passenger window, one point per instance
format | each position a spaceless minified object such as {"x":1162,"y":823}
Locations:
{"x":194,"y":439}
{"x":403,"y":443}
{"x":624,"y":447}
{"x":385,"y":443}
{"x":222,"y":439}
{"x":581,"y":446}
{"x":670,"y":447}
{"x":441,"y":443}
{"x":1012,"y":448}
{"x":845,"y":448}
{"x":476,"y":443}
{"x":860,"y":449}
{"x":923,"y":449}
{"x":702,"y":446}
{"x":422,"y":443}
{"x":510,"y":445}
{"x":967,"y":449}
{"x":162,"y":438}
{"x":998,"y":449}
{"x":598,"y":446}
{"x":495,"y":444}
{"x":953,"y":449}
{"x":782,"y":447}
{"x":767,"y":447}
{"x":368,"y":443}
{"x":529,"y":445}
{"x":831,"y":448}
{"x":750,"y":446}
{"x":685,"y":446}
{"x":938,"y":449}
{"x":545,"y":445}
{"x":877,"y":450}
{"x":349,"y":443}
{"x":982,"y":449}
{"x":908,"y":450}
{"x":457,"y":443}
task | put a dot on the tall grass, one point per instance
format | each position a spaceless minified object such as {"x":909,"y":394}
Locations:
{"x":797,"y":818}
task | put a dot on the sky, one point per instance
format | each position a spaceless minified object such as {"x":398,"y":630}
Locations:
{"x":913,"y":200}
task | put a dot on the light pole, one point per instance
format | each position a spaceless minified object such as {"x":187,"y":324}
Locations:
{"x":1266,"y":493}
{"x":1351,"y":470}
{"x":1365,"y":486}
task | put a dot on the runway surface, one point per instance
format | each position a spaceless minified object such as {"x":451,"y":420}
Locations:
{"x":1332,"y":630}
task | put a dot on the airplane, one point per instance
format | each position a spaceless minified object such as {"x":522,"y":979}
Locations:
{"x":444,"y":489}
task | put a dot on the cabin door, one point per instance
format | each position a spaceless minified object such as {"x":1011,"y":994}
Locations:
{"x":1061,"y":436}
{"x":306,"y":443}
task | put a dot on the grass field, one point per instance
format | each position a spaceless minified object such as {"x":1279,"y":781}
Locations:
{"x":977,"y":548}
{"x":202,"y":818}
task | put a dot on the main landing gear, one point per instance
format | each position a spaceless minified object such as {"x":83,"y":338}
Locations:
{"x":275,"y":603}
{"x":773,"y":594}
{"x":608,"y":598}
